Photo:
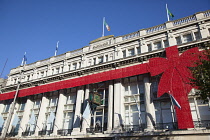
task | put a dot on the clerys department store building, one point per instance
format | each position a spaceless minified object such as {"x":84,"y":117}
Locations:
{"x":133,"y":86}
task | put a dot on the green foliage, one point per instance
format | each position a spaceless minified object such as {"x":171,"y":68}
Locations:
{"x":201,"y":73}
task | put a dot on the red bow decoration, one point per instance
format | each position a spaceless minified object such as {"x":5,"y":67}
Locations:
{"x":176,"y":78}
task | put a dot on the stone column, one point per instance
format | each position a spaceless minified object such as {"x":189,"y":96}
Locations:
{"x":25,"y":118}
{"x":59,"y":113}
{"x":77,"y":113}
{"x":86,"y":123}
{"x":110,"y":106}
{"x":150,"y":119}
{"x":41,"y":117}
{"x":117,"y":105}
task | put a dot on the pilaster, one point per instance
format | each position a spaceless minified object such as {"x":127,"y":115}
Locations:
{"x":25,"y":117}
{"x":110,"y":106}
{"x":117,"y":105}
{"x":77,"y":114}
{"x":150,"y":120}
{"x":59,"y":113}
{"x":41,"y":117}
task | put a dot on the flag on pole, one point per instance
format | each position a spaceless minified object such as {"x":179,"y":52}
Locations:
{"x":56,"y":49}
{"x":24,"y":60}
{"x":107,"y":26}
{"x":86,"y":114}
{"x":169,"y":13}
{"x":174,"y":101}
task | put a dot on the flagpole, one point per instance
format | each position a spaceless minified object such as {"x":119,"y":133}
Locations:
{"x":167,"y":12}
{"x":56,"y":48}
{"x":22,"y":63}
{"x":103,"y":27}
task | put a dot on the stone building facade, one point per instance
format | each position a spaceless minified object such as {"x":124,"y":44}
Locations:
{"x":126,"y":71}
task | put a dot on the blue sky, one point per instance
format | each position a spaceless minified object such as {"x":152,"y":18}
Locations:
{"x":34,"y":26}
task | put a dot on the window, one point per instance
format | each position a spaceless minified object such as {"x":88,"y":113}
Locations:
{"x":178,"y":40}
{"x":17,"y":125}
{"x":71,"y":99}
{"x":100,"y":59}
{"x":68,"y":120}
{"x":79,"y":65}
{"x":15,"y":81}
{"x":94,"y":61}
{"x":57,"y":70}
{"x":42,"y":74}
{"x":99,"y":117}
{"x":166,"y":43}
{"x":124,"y":53}
{"x":6,"y":109}
{"x":164,"y":114}
{"x":52,"y":71}
{"x":187,"y":38}
{"x":106,"y":58}
{"x":69,"y":108}
{"x":74,"y":66}
{"x":28,"y":77}
{"x":138,"y":50}
{"x":197,"y":35}
{"x":37,"y":104}
{"x":157,"y":45}
{"x":69,"y":67}
{"x":22,"y":106}
{"x":53,"y":101}
{"x":149,"y":46}
{"x":131,"y":52}
{"x":134,"y":102}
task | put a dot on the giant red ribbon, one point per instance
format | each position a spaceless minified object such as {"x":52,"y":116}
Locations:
{"x":175,"y":80}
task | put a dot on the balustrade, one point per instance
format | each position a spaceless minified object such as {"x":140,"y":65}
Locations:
{"x":131,"y":35}
{"x":206,"y":13}
{"x":184,"y":20}
{"x":156,"y":28}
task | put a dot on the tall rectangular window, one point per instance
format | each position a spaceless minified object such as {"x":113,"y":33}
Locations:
{"x":197,"y":35}
{"x":138,"y":50}
{"x":52,"y":71}
{"x":79,"y":65}
{"x":42,"y":74}
{"x":178,"y":40}
{"x":166,"y":43}
{"x":100,"y":59}
{"x":28,"y":77}
{"x":149,"y":46}
{"x":94,"y":61}
{"x":131,"y":52}
{"x":124,"y":53}
{"x":57,"y":70}
{"x":106,"y":58}
{"x":157,"y":45}
{"x":74,"y":66}
{"x":187,"y":38}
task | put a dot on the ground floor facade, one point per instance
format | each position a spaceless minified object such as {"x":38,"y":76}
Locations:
{"x":129,"y":106}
